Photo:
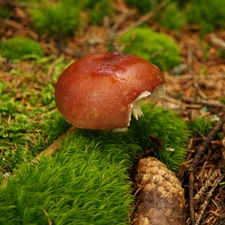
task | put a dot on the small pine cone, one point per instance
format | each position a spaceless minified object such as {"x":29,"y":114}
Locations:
{"x":161,"y":197}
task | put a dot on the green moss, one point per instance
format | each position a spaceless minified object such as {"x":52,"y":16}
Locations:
{"x":221,"y":54}
{"x":143,"y":6}
{"x":158,"y":48}
{"x":171,"y":17}
{"x":59,"y":20}
{"x":97,"y":10}
{"x":20,"y":48}
{"x":29,"y":121}
{"x":166,"y":127}
{"x":4,"y":13}
{"x":23,"y":131}
{"x":87,"y":181}
{"x":208,"y":14}
{"x":201,"y":126}
{"x":30,"y":2}
{"x":221,"y":99}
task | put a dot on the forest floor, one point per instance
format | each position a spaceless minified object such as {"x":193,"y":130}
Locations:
{"x":195,"y":90}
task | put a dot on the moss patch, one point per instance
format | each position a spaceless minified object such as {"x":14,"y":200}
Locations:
{"x":21,"y":48}
{"x":157,"y":48}
{"x":29,"y":121}
{"x":59,"y":20}
{"x":87,"y":181}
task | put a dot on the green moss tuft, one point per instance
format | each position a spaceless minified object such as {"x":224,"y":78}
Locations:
{"x":169,"y":129}
{"x":87,"y":180}
{"x":59,"y":20}
{"x":97,"y":10}
{"x":171,"y":17}
{"x":158,"y":48}
{"x":206,"y":13}
{"x":21,"y":48}
{"x":143,"y":6}
{"x":80,"y":185}
{"x":201,"y":126}
{"x":29,"y":122}
{"x":4,"y":12}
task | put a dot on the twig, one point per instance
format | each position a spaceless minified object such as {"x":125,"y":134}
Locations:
{"x":143,"y":18}
{"x":206,"y":185}
{"x":46,"y":214}
{"x":191,"y":196}
{"x":190,"y":60}
{"x":215,"y":41}
{"x":48,"y":151}
{"x":14,"y":24}
{"x":53,"y":147}
{"x":197,"y":101}
{"x":198,"y":156}
{"x":219,"y":179}
{"x":123,"y":17}
{"x":201,"y":150}
{"x":111,"y":35}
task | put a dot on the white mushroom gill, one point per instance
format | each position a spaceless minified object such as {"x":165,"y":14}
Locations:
{"x":135,"y":106}
{"x":158,"y":93}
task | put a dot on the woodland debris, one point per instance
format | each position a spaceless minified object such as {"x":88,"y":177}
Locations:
{"x":198,"y":156}
{"x":209,"y":182}
{"x":216,"y":41}
{"x":208,"y":197}
{"x":143,"y":19}
{"x":197,"y":101}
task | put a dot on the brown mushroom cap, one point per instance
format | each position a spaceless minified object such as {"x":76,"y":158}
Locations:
{"x":99,"y":90}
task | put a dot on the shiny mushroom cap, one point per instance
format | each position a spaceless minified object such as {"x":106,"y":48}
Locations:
{"x":101,"y":90}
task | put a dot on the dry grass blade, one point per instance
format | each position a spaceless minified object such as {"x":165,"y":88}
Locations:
{"x":53,"y":147}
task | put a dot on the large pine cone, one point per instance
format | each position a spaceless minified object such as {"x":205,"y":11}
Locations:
{"x":161,"y":197}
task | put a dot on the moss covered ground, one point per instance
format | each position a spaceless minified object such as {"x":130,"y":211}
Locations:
{"x":88,"y":180}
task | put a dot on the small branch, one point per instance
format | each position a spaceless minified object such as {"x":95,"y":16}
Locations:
{"x":111,"y":35}
{"x":197,"y":101}
{"x":191,"y":197}
{"x":201,"y":150}
{"x":143,"y":18}
{"x":215,"y":41}
{"x":219,"y":179}
{"x":198,"y":156}
{"x":53,"y":147}
{"x":121,"y":18}
{"x":207,"y":184}
{"x":190,"y":60}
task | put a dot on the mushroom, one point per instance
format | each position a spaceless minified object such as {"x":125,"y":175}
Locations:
{"x":102,"y":90}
